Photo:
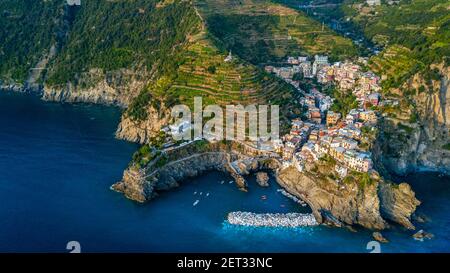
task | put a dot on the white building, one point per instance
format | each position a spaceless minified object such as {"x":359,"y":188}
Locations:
{"x":229,"y":58}
{"x":178,"y":130}
{"x":373,"y":2}
{"x":342,"y":171}
{"x":74,"y":2}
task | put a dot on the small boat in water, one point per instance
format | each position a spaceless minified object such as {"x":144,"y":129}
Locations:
{"x":222,"y":182}
{"x":201,"y":193}
{"x":196,"y":203}
{"x":231,"y":182}
{"x":264,"y":197}
{"x":195,"y":193}
{"x":207,"y":194}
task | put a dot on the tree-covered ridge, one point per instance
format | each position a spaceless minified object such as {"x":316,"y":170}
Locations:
{"x":28,"y":28}
{"x":261,"y":31}
{"x":166,"y":44}
{"x":111,"y":35}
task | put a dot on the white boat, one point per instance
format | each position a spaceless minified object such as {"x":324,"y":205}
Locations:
{"x":222,"y":182}
{"x":196,"y":203}
{"x":231,"y":182}
{"x":207,"y":194}
{"x":201,"y":193}
{"x":195,"y":193}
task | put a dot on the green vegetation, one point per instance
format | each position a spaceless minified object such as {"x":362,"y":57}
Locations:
{"x":414,"y":117}
{"x":446,"y":146}
{"x":27,"y":31}
{"x":344,"y":101}
{"x":328,"y":160}
{"x":406,"y":128}
{"x":263,"y":32}
{"x":110,"y":35}
{"x":149,"y":152}
{"x":415,"y":34}
{"x":363,"y":179}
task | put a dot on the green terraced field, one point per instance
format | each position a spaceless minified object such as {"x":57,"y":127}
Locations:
{"x":263,"y":32}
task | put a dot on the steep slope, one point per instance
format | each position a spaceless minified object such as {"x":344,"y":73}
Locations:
{"x":145,"y":54}
{"x":116,"y":48}
{"x":414,"y":66}
{"x":414,"y":37}
{"x":359,"y":199}
{"x":262,"y":31}
{"x":28,"y":30}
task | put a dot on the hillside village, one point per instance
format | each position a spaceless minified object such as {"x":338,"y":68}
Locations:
{"x":325,"y":132}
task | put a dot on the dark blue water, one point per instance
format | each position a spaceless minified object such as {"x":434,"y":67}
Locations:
{"x":58,"y":161}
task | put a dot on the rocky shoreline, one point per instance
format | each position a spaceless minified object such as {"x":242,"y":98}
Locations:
{"x":142,"y":184}
{"x":370,"y":206}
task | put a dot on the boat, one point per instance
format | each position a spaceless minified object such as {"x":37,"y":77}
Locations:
{"x":207,"y":194}
{"x":196,"y":203}
{"x":264,"y":197}
{"x":231,"y":182}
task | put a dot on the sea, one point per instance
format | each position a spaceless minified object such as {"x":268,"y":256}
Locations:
{"x":58,"y":161}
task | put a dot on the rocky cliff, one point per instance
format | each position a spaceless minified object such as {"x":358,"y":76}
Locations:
{"x":351,"y":202}
{"x":141,"y":186}
{"x":172,"y":167}
{"x":112,"y":88}
{"x":418,"y":136}
{"x":140,"y":131}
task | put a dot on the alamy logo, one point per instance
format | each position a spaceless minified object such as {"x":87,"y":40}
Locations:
{"x":236,"y":117}
{"x":74,"y":247}
{"x":374,"y":247}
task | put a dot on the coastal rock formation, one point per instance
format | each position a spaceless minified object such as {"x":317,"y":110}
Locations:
{"x":142,"y":183}
{"x":422,"y":143}
{"x":135,"y":186}
{"x":141,"y":186}
{"x":113,"y":88}
{"x":140,"y":131}
{"x":262,"y":178}
{"x":379,"y":237}
{"x":347,"y":205}
{"x":398,"y":203}
{"x":350,"y":202}
{"x":421,"y":235}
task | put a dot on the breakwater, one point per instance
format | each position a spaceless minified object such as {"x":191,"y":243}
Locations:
{"x":271,"y":219}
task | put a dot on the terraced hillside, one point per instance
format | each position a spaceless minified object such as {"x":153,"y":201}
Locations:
{"x":261,"y":31}
{"x":203,"y":71}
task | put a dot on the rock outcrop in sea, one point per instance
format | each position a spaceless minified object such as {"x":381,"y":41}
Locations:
{"x":350,"y":203}
{"x":379,"y":237}
{"x":262,"y":178}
